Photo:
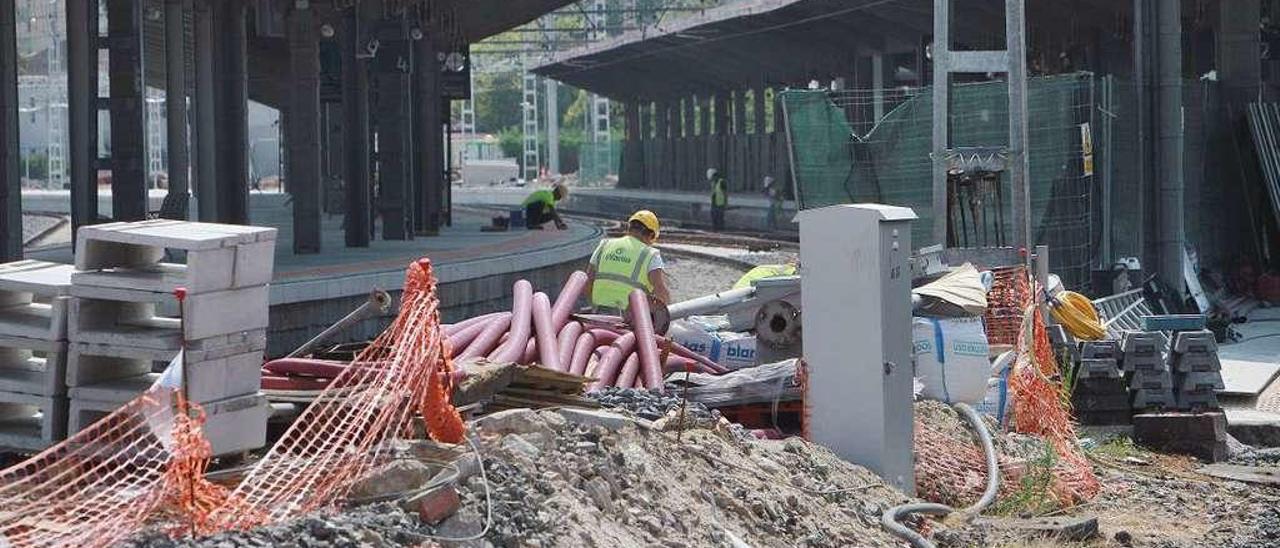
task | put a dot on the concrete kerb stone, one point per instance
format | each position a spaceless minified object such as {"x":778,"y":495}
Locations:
{"x":39,"y":278}
{"x":88,"y":363}
{"x":232,"y":425}
{"x":35,"y":320}
{"x":213,"y":320}
{"x":218,"y":257}
{"x":30,"y":422}
{"x":207,"y":381}
{"x":32,"y":366}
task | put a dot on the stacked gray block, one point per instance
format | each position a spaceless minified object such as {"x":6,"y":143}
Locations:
{"x":1149,"y":378}
{"x":33,"y":354}
{"x":123,"y":324}
{"x":1099,"y":359}
{"x":1193,"y":358}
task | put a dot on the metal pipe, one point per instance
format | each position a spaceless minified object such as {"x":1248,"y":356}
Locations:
{"x":710,"y":303}
{"x":566,"y":341}
{"x":546,"y":334}
{"x":378,"y":303}
{"x":611,"y":363}
{"x":568,"y":297}
{"x":521,"y":316}
{"x":582,"y":349}
{"x":488,"y":338}
{"x":646,"y":341}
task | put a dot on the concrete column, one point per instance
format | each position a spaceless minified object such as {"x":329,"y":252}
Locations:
{"x":632,"y":157}
{"x":394,"y":129}
{"x":10,"y":150}
{"x":128,"y":111}
{"x":723,"y":127}
{"x":231,"y":104}
{"x":757,"y":107}
{"x":204,"y":125}
{"x":429,"y":146}
{"x":175,"y":57}
{"x":303,"y":137}
{"x":355,"y":105}
{"x":704,"y":116}
{"x":1170,"y":119}
{"x":82,"y":110}
{"x":740,"y":112}
{"x":688,"y":118}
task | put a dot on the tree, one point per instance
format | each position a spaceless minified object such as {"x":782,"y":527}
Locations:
{"x":498,"y":98}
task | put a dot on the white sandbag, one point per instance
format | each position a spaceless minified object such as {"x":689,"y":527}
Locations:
{"x":729,"y":349}
{"x":951,"y":358}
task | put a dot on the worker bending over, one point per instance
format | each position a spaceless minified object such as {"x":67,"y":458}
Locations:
{"x":620,"y":265}
{"x":540,"y":207}
{"x":767,"y":271}
{"x":719,"y":198}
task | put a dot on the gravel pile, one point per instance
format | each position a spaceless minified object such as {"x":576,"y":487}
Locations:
{"x":382,"y":524}
{"x":1258,"y":457}
{"x":648,"y":405}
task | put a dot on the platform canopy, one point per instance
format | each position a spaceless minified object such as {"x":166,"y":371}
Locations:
{"x":784,"y":42}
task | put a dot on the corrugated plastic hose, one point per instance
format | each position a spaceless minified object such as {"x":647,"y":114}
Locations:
{"x":889,"y":520}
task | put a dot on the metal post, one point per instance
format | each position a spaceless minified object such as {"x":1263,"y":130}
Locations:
{"x":128,"y":119}
{"x":232,"y":111}
{"x":10,"y":153}
{"x":877,"y":86}
{"x":941,"y":123}
{"x":82,"y":110}
{"x":1019,"y":165}
{"x":355,"y":99}
{"x":1170,"y":212}
{"x":553,"y":127}
{"x":303,"y":140}
{"x":175,"y":56}
{"x":394,"y":129}
{"x":429,"y":144}
{"x":1146,"y":159}
{"x":204,"y":126}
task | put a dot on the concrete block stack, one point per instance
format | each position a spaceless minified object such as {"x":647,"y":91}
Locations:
{"x":1148,"y":376}
{"x":1101,"y":394}
{"x":123,"y":327}
{"x":1197,"y":372}
{"x":33,"y":353}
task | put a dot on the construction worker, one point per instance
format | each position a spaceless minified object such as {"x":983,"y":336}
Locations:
{"x":719,"y":198}
{"x":540,"y":207}
{"x":767,"y":271}
{"x":773,"y":193}
{"x":620,"y":265}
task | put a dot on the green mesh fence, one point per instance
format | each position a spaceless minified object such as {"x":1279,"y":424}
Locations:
{"x":599,"y":160}
{"x":843,"y":153}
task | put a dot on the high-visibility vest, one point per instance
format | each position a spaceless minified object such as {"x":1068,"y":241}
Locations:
{"x":545,"y":197}
{"x":765,"y":271}
{"x":719,"y":194}
{"x":621,"y":265}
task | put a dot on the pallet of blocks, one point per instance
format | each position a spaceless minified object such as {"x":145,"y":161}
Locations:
{"x":33,"y":354}
{"x":123,"y":321}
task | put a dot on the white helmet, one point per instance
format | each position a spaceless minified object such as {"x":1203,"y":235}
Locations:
{"x":711,"y":172}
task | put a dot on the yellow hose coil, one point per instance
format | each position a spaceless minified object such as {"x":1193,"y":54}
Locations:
{"x":1076,"y":313}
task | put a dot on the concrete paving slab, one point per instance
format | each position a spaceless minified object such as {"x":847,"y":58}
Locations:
{"x":1253,"y":427}
{"x":186,"y":235}
{"x":1247,"y":378}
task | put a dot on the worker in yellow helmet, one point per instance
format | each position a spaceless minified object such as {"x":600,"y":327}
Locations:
{"x":540,"y":207}
{"x":767,"y":271}
{"x":620,"y":265}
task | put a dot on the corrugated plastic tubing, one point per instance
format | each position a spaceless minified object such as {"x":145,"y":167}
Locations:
{"x":611,"y":363}
{"x":680,"y":350}
{"x":546,"y":333}
{"x":521,"y":320}
{"x":568,"y":298}
{"x":582,"y":350}
{"x":630,"y":372}
{"x":488,"y":338}
{"x":604,"y":337}
{"x":530,"y":352}
{"x":451,"y":329}
{"x":461,"y":338}
{"x":646,"y":341}
{"x":566,"y":341}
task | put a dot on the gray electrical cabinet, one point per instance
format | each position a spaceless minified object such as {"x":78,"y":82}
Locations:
{"x":856,"y":300}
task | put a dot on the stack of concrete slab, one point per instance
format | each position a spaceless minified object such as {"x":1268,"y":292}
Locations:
{"x":33,"y":354}
{"x":1149,"y":378}
{"x":1193,"y":358}
{"x":123,"y":327}
{"x":1101,"y":394}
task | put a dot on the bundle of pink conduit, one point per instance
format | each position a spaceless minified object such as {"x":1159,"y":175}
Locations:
{"x":614,"y":353}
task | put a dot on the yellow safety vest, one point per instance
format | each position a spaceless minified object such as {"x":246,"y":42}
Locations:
{"x":621,"y":265}
{"x":764,"y":271}
{"x":545,"y":197}
{"x":719,"y":195}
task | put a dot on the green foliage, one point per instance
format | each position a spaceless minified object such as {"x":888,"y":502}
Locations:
{"x":1117,"y":448}
{"x":37,"y":165}
{"x":511,"y":142}
{"x":1033,"y":495}
{"x":498,"y":98}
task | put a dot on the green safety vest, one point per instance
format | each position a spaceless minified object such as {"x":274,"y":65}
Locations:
{"x":621,"y":265}
{"x":546,"y":197}
{"x":764,"y":271}
{"x":719,"y":196}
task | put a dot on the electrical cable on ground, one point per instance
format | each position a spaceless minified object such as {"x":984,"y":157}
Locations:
{"x":1076,"y":313}
{"x":890,"y":519}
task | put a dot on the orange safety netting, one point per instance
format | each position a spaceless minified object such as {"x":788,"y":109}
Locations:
{"x":145,"y":462}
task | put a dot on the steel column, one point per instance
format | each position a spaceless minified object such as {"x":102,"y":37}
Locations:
{"x":10,"y":150}
{"x":232,"y":111}
{"x":175,"y":102}
{"x":303,"y":138}
{"x":82,"y":110}
{"x":1170,"y":213}
{"x":941,"y":121}
{"x":355,"y":104}
{"x":1142,"y":63}
{"x":429,"y":146}
{"x":204,"y":126}
{"x":128,"y":112}
{"x":1019,"y":164}
{"x":394,"y":129}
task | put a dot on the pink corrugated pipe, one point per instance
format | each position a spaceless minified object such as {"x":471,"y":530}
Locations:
{"x":530,"y":352}
{"x":630,"y":372}
{"x":521,"y":324}
{"x":604,"y":337}
{"x":460,"y":339}
{"x":453,"y":329}
{"x":568,"y":298}
{"x":611,"y":362}
{"x":582,"y":350}
{"x":646,"y":341}
{"x":680,"y":350}
{"x":546,"y":333}
{"x":566,"y":341}
{"x":488,"y":338}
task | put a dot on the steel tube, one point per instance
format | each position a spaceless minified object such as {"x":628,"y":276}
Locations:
{"x":646,"y":341}
{"x":521,"y":316}
{"x":567,"y":340}
{"x":709,"y":303}
{"x":378,"y":303}
{"x":488,"y":338}
{"x":611,"y":362}
{"x":546,"y":333}
{"x":582,"y":350}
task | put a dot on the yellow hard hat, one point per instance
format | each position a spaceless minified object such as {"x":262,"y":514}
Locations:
{"x":646,"y":218}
